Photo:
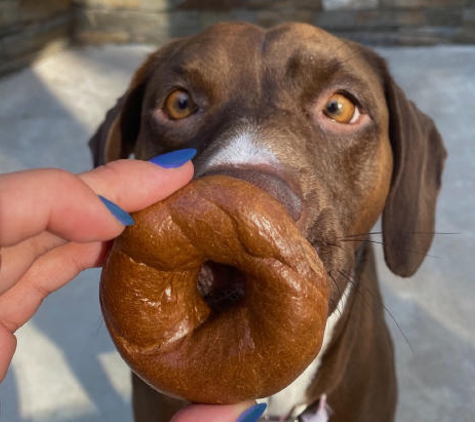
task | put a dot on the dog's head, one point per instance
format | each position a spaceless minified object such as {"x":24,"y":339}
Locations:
{"x":315,"y":120}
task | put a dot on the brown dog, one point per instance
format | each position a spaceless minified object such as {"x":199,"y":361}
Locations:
{"x":320,"y":124}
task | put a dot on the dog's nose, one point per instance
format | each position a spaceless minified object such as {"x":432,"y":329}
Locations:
{"x":272,"y":183}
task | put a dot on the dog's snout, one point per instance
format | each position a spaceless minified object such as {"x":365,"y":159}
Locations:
{"x":273,"y":184}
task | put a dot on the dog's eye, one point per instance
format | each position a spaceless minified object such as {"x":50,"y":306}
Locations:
{"x":341,"y":109}
{"x":179,"y":105}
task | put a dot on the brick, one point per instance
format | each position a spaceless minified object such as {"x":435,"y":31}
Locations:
{"x":159,"y":5}
{"x":229,"y":5}
{"x":369,"y":20}
{"x":32,"y":10}
{"x":288,"y":4}
{"x":98,"y":38}
{"x":118,"y":26}
{"x":466,"y":35}
{"x":245,"y":15}
{"x":110,"y":4}
{"x":34,"y":38}
{"x":349,"y":4}
{"x":421,"y":3}
{"x":209,"y":18}
{"x":469,"y":17}
{"x":269,"y":18}
{"x":334,"y":21}
{"x":389,"y":18}
{"x":426,"y":35}
{"x":184,"y":23}
{"x":207,"y":5}
{"x":444,"y":17}
{"x":16,"y":63}
{"x":8,"y":13}
{"x":403,"y":3}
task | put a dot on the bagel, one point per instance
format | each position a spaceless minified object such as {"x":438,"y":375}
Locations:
{"x":214,"y":295}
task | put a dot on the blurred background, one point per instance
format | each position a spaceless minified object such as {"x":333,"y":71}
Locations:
{"x":62,"y":65}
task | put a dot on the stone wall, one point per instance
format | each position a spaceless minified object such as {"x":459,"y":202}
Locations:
{"x":372,"y":21}
{"x":30,"y":28}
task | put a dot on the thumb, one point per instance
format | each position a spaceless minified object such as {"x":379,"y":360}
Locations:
{"x":247,"y":411}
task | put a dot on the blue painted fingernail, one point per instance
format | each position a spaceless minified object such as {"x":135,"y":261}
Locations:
{"x":121,"y":215}
{"x":174,"y":159}
{"x":253,"y":413}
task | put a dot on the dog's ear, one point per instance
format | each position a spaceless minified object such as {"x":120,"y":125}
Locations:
{"x":116,"y":136}
{"x":418,"y":153}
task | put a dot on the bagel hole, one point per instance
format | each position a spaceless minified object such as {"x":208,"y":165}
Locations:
{"x":221,"y":286}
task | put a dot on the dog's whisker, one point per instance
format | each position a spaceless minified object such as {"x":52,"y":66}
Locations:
{"x":375,"y":242}
{"x":332,"y":244}
{"x":99,"y":326}
{"x":337,"y":287}
{"x":363,"y":234}
{"x":380,"y":233}
{"x":384,"y":306}
{"x":355,"y":238}
{"x":349,"y":278}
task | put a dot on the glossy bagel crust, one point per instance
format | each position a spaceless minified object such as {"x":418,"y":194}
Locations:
{"x":163,"y":327}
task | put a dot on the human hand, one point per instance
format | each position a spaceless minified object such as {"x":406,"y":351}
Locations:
{"x":53,"y":225}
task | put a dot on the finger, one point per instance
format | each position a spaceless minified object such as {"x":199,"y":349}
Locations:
{"x":212,"y":413}
{"x":50,"y":200}
{"x":15,"y":260}
{"x":69,"y":207}
{"x":7,"y":348}
{"x":66,"y":205}
{"x":135,"y":184}
{"x":50,"y":272}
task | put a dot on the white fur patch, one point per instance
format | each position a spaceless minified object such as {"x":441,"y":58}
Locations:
{"x":291,"y":400}
{"x":242,"y":149}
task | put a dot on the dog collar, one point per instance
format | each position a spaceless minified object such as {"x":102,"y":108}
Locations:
{"x":319,"y":412}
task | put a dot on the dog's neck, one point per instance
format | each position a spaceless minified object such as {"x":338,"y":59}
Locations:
{"x":358,"y":308}
{"x":361,"y":344}
{"x":291,"y":402}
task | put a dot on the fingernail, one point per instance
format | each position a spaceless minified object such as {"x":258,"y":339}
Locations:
{"x":124,"y":217}
{"x":174,"y":159}
{"x":253,"y":413}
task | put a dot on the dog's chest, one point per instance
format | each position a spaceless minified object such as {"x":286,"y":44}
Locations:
{"x":292,"y":400}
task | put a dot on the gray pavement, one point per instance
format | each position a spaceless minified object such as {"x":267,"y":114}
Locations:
{"x":66,"y":368}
